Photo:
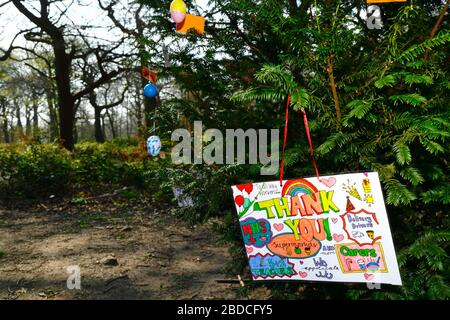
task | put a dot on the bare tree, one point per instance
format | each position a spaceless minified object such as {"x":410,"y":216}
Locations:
{"x":65,"y":50}
{"x":99,"y":132}
{"x":135,"y":32}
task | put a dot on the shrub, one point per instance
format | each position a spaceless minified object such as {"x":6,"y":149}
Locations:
{"x":33,"y":170}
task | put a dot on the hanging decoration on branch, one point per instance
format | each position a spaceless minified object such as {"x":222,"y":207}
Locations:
{"x":178,"y":11}
{"x":184,"y":21}
{"x":154,"y":144}
{"x":150,"y":90}
{"x":150,"y":75}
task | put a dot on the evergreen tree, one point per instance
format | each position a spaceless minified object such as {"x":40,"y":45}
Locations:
{"x":376,"y":100}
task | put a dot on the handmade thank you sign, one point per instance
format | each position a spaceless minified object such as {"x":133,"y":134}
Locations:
{"x":331,"y":228}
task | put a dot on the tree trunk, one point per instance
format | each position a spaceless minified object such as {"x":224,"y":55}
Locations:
{"x":28,"y":121}
{"x":66,"y":102}
{"x":437,"y":25}
{"x":332,"y":83}
{"x":52,"y":111}
{"x":128,"y":123}
{"x":35,"y":119}
{"x":330,"y":72}
{"x":5,"y":123}
{"x":103,"y":126}
{"x":12,"y":135}
{"x":5,"y":130}
{"x":139,"y":110}
{"x":99,"y":137}
{"x":53,"y":115}
{"x":111,"y":124}
{"x":75,"y":131}
{"x":119,"y":123}
{"x":19,"y":120}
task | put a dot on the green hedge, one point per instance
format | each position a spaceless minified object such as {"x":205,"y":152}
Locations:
{"x":37,"y":170}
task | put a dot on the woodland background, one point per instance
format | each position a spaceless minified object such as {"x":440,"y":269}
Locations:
{"x":73,"y":118}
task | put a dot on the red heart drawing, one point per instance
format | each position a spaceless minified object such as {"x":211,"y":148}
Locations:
{"x":241,"y":187}
{"x":239,"y":200}
{"x":328,"y":182}
{"x":248,"y":188}
{"x":303,"y":274}
{"x":338,"y":237}
{"x":249,"y":250}
{"x":335,"y":220}
{"x":278,"y":226}
{"x":369,"y":276}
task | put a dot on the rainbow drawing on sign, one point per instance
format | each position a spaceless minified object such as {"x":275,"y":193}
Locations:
{"x":298,"y":187}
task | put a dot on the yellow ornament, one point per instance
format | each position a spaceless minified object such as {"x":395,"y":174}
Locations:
{"x":178,"y":5}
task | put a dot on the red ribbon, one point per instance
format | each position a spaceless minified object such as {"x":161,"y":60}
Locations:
{"x":311,"y":149}
{"x":308,"y":135}
{"x":285,"y":137}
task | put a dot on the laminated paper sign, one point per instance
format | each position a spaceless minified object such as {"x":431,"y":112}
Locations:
{"x":332,"y":229}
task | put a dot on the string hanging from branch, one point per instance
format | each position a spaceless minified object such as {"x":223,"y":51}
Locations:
{"x":154,"y":144}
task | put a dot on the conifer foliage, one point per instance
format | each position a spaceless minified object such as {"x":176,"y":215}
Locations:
{"x":376,"y":100}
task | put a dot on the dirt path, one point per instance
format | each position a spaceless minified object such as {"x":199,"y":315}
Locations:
{"x":158,"y":256}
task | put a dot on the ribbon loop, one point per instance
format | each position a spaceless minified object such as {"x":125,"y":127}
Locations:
{"x":286,"y":121}
{"x":308,"y":136}
{"x":311,"y":149}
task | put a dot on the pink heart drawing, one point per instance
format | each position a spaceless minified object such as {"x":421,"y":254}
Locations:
{"x":369,"y":276}
{"x":303,"y":274}
{"x":249,"y":250}
{"x":335,"y":220}
{"x":278,"y":226}
{"x":338,"y":237}
{"x":302,"y":262}
{"x":328,"y":182}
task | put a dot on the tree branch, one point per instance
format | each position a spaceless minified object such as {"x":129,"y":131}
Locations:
{"x":337,"y":105}
{"x":93,"y":101}
{"x":439,"y":20}
{"x":4,"y":3}
{"x":436,"y":26}
{"x":42,"y":22}
{"x":110,"y":12}
{"x":94,"y":85}
{"x":7,"y":53}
